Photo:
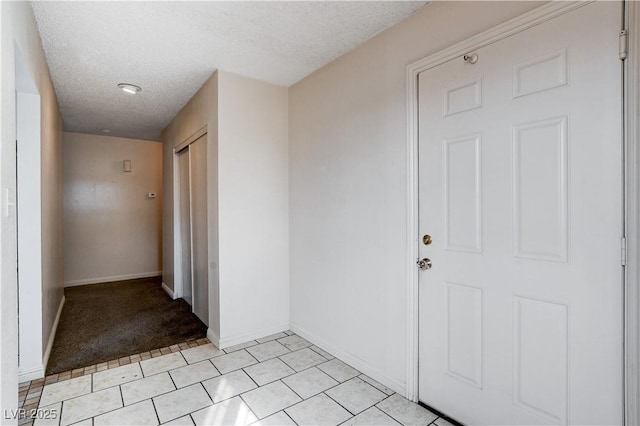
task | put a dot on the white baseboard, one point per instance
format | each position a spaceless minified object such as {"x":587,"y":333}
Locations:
{"x":352,"y":360}
{"x":100,"y":280}
{"x":38,"y":372}
{"x":242,"y":338}
{"x":213,"y":338}
{"x":52,"y":335}
{"x":30,"y":374}
{"x":168,"y":290}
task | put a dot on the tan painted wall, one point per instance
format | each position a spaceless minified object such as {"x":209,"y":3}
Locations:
{"x":52,"y":223}
{"x":254,"y":208}
{"x":112,"y":230}
{"x":18,"y":26}
{"x":348,"y":187}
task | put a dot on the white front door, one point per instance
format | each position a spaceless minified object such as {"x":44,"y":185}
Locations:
{"x":520,"y":191}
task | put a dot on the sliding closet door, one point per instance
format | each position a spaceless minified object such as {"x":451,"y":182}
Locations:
{"x":185,"y":223}
{"x":199,"y":232}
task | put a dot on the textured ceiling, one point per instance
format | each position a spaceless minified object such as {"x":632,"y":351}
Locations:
{"x":171,"y":48}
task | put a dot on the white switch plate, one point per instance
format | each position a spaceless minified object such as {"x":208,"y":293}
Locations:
{"x":8,"y":204}
{"x":152,"y":195}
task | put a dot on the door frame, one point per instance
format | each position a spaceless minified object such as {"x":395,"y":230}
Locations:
{"x":631,"y":324}
{"x":632,"y":219}
{"x":28,"y":206}
{"x":178,"y":284}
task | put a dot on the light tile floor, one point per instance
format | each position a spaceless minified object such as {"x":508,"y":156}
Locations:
{"x":276,"y":380}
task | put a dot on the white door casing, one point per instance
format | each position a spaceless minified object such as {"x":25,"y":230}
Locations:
{"x":32,"y":359}
{"x":520,"y":189}
{"x":632,"y":294}
{"x":199,"y":235}
{"x":190,"y":224}
{"x":185,"y":225}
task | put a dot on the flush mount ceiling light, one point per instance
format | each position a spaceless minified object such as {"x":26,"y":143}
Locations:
{"x":106,"y":131}
{"x":130,"y":88}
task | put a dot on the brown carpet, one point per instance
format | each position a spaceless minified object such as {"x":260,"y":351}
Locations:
{"x":102,"y":322}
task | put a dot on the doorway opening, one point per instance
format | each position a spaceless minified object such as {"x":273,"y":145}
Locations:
{"x":190,"y":224}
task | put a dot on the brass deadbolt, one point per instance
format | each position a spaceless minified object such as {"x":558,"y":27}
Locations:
{"x":426,"y":239}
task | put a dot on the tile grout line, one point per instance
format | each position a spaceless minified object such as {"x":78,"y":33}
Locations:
{"x":251,"y":355}
{"x":298,"y":395}
{"x":260,"y":386}
{"x":60,"y":416}
{"x":287,"y":414}
{"x":125,"y":406}
{"x":121,"y":395}
{"x":277,"y":356}
{"x":215,"y":368}
{"x":388,"y":394}
{"x":182,"y":355}
{"x":322,"y":392}
{"x":155,"y":396}
{"x":319,"y":348}
{"x":188,"y":414}
{"x":249,"y":407}
{"x":345,"y":408}
{"x":87,"y":418}
{"x":177,"y":389}
{"x":304,"y":369}
{"x":206,"y":391}
{"x":155,"y":410}
{"x":387,"y":413}
{"x":251,"y":378}
{"x":236,"y":350}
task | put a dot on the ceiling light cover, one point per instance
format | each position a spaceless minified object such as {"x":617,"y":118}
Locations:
{"x":130,"y":88}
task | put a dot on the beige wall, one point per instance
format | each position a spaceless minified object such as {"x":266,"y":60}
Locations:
{"x":200,"y":111}
{"x":254,"y":208}
{"x":18,"y":28}
{"x":52,"y":222}
{"x":348,"y":174}
{"x":112,"y":230}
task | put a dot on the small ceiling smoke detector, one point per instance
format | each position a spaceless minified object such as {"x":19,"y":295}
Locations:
{"x":130,"y":88}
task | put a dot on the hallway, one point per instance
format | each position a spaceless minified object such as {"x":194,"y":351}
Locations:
{"x":100,"y":322}
{"x":280,"y":379}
